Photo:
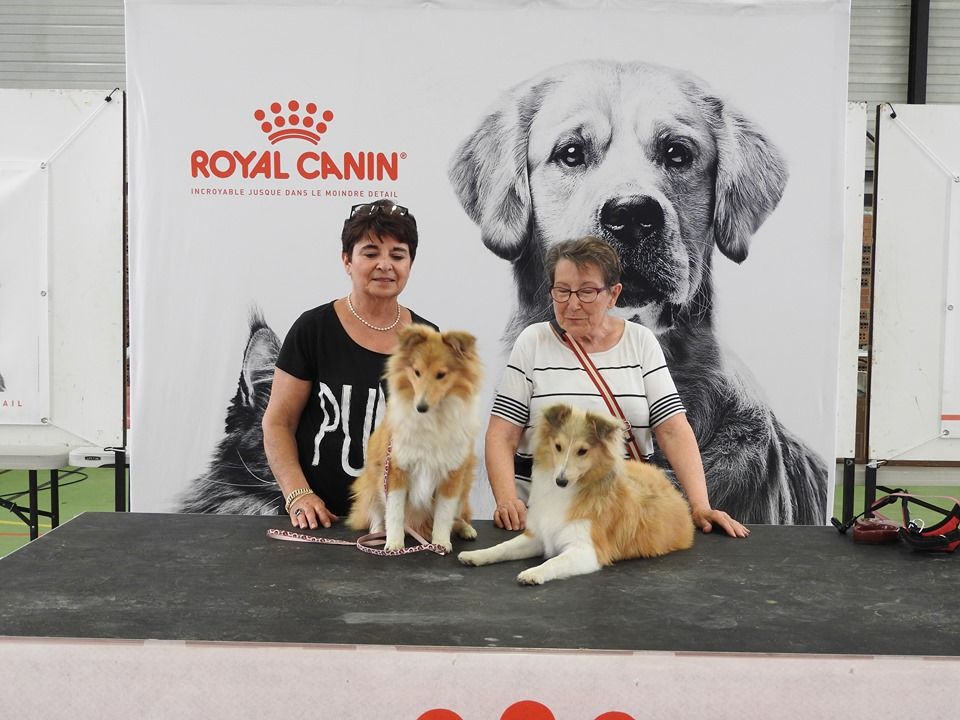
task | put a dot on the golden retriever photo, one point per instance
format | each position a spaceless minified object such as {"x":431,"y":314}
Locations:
{"x":653,"y":161}
{"x":588,"y":506}
{"x":429,"y":430}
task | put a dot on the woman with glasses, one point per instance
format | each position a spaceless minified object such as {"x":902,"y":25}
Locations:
{"x":584,"y":279}
{"x":326,"y":397}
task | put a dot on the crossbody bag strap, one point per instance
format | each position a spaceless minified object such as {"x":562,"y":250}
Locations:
{"x":594,"y":374}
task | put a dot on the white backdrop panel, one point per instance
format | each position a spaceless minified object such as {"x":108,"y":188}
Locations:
{"x":917,"y":227}
{"x":850,"y":282}
{"x":24,"y":359}
{"x":415,"y":80}
{"x":950,"y":406}
{"x":73,"y":140}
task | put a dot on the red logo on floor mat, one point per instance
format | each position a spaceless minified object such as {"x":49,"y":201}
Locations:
{"x":523,"y":710}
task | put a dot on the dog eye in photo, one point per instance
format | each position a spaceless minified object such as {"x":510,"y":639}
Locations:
{"x":416,"y":372}
{"x":557,"y":446}
{"x":676,"y":155}
{"x":571,"y":154}
{"x":582,"y":451}
{"x":441,"y":375}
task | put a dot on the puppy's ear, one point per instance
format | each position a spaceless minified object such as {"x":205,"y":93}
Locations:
{"x":751,"y":175}
{"x":489,"y":171}
{"x":463,"y":343}
{"x":556,"y":415}
{"x":412,"y":335}
{"x":604,"y":426}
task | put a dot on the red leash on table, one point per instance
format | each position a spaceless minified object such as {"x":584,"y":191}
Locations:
{"x":366,"y":543}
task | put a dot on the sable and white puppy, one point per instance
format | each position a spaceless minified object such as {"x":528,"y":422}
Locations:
{"x":588,"y":506}
{"x":430,"y":431}
{"x":653,"y":161}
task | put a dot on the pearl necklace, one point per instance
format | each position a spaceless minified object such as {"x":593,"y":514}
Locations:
{"x":389,"y":327}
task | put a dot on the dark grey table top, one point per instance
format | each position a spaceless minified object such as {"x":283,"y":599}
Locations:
{"x":219,"y":578}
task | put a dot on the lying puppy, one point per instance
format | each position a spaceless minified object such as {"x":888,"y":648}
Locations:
{"x":429,"y":432}
{"x":651,"y":160}
{"x":588,"y":506}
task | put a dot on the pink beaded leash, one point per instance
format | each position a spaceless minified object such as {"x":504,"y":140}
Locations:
{"x":366,"y":543}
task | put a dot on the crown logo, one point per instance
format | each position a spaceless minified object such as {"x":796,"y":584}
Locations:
{"x":293,"y":125}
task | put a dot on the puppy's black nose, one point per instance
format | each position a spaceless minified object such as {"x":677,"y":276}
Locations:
{"x":561,"y":480}
{"x":632,"y":219}
{"x":422,"y":407}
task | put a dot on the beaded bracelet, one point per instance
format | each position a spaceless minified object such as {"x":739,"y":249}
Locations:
{"x":292,"y":497}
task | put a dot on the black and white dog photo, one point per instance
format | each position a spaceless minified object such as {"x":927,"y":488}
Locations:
{"x":239,"y":480}
{"x":651,"y":160}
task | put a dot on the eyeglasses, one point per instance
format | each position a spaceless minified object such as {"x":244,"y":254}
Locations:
{"x":584,"y":294}
{"x":374,"y":208}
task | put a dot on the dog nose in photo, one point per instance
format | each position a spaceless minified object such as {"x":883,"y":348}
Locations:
{"x":632,"y":218}
{"x":422,"y":406}
{"x":562,"y":480}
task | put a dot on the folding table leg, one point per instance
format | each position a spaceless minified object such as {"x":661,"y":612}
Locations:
{"x":34,"y":500}
{"x":120,"y":481}
{"x":870,"y":486}
{"x":849,"y":470}
{"x":54,"y":498}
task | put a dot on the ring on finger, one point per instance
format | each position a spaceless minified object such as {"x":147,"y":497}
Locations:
{"x":298,"y":512}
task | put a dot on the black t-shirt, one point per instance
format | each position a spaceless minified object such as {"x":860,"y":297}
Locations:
{"x":345,"y":404}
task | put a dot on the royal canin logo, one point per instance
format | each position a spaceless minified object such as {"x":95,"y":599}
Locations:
{"x":293,"y":126}
{"x":295,"y":122}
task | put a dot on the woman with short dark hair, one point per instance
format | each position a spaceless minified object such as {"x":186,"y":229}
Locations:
{"x":327,"y":397}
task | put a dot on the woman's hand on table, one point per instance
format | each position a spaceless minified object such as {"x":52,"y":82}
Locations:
{"x":706,"y":517}
{"x":310,"y":511}
{"x":510,"y":514}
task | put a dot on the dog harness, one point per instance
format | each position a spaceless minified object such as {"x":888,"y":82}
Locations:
{"x":943,"y":536}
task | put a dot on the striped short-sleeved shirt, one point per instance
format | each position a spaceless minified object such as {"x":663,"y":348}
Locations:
{"x":543,"y":371}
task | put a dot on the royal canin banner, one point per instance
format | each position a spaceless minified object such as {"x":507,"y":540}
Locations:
{"x":504,"y":127}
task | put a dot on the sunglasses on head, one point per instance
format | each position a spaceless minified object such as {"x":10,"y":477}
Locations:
{"x":374,"y":208}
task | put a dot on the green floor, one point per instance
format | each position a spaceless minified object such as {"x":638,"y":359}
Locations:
{"x":80,"y":490}
{"x":93,"y":489}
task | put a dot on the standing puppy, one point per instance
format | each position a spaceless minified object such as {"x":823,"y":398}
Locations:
{"x":428,"y":437}
{"x":589,"y":506}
